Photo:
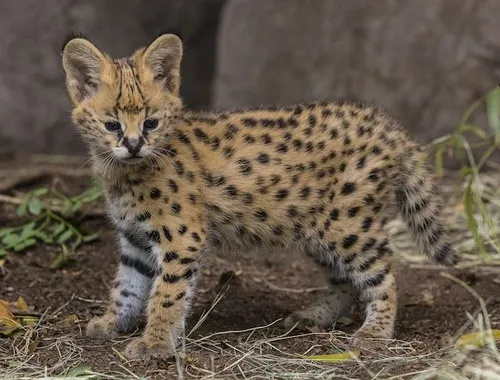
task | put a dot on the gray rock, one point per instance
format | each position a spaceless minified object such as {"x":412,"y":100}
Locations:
{"x":424,"y":61}
{"x":34,"y":107}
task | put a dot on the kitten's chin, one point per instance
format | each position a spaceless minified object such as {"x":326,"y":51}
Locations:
{"x":131,"y":160}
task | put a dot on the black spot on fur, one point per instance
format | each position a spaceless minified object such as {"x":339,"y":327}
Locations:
{"x":261,"y":215}
{"x":349,"y":241}
{"x":176,"y":208}
{"x":348,"y":188}
{"x":167,"y":233}
{"x":281,"y":194}
{"x":245,"y":166}
{"x":143,"y":216}
{"x":167,"y":304}
{"x":173,"y":186}
{"x":154,"y":193}
{"x":367,"y":224}
{"x":170,"y":256}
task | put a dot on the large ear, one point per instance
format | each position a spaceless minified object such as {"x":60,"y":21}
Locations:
{"x":163,"y":59}
{"x":83,"y":64}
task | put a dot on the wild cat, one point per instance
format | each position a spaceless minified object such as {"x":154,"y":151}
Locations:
{"x":322,"y":178}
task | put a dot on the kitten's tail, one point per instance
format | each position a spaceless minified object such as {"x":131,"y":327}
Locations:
{"x":421,"y":211}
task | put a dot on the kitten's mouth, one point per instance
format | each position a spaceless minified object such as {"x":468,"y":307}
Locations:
{"x":132,"y":159}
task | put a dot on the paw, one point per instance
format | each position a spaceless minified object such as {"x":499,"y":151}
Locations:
{"x":302,"y":320}
{"x":371,"y":339}
{"x":144,"y":349}
{"x":102,"y":327}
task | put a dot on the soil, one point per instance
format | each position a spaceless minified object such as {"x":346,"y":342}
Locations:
{"x":262,"y":288}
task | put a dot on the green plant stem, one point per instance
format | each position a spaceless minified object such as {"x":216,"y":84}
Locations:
{"x":68,"y":225}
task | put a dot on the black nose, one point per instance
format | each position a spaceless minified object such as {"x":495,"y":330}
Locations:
{"x":133,"y":144}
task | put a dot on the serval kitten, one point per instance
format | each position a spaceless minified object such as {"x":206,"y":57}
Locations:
{"x":322,"y":178}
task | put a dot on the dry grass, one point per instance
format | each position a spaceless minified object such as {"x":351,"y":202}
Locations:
{"x":259,"y":354}
{"x":263,"y":353}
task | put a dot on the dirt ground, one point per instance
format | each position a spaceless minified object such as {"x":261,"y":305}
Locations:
{"x":261,"y":289}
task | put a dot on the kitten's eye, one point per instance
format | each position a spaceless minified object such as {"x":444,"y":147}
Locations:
{"x":112,"y":126}
{"x":151,"y":124}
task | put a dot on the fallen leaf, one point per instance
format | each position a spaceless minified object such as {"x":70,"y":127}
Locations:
{"x":478,"y":339}
{"x":21,"y":305}
{"x":345,"y":321}
{"x":77,"y":372}
{"x":15,"y":315}
{"x":8,"y":323}
{"x":9,"y":331}
{"x":6,"y":316}
{"x":28,"y":320}
{"x":33,"y":345}
{"x":427,"y":299}
{"x":70,"y":320}
{"x":337,"y":358}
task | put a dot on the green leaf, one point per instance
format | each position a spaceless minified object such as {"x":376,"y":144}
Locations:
{"x":79,"y":371}
{"x":91,"y":237}
{"x":478,"y":339}
{"x":493,"y":106}
{"x":92,"y":196}
{"x":61,"y":259}
{"x":76,"y":243}
{"x":28,"y":231}
{"x":66,"y":206}
{"x":10,"y":240}
{"x":21,"y":210}
{"x":458,"y":149}
{"x":439,"y":160}
{"x":5,"y":231}
{"x":35,"y":206}
{"x":24,"y":244}
{"x":44,"y":237}
{"x":76,"y":206}
{"x":65,"y":236}
{"x":3,"y":252}
{"x":475,"y":129}
{"x":465,"y":171}
{"x":471,"y":220}
{"x":337,"y":358}
{"x":59,"y":229}
{"x":41,"y":191}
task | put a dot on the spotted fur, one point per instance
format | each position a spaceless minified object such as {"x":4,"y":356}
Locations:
{"x":322,"y":178}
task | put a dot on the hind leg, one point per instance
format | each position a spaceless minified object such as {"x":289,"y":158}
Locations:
{"x":380,"y":293}
{"x":372,"y":276}
{"x":364,"y":261}
{"x":325,"y":311}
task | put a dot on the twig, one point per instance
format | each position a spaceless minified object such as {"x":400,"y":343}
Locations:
{"x":54,"y":314}
{"x":10,"y":179}
{"x":297,"y":291}
{"x":87,"y":300}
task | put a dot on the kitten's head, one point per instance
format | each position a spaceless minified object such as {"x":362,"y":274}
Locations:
{"x":125,"y":109}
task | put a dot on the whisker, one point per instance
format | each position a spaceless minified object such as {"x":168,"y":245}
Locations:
{"x":93,"y":157}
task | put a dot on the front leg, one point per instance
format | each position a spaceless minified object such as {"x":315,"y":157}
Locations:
{"x":130,"y":292}
{"x":179,"y":250}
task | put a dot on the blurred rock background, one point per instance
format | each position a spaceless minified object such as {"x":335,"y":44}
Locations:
{"x":425,"y":61}
{"x":34,"y":107}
